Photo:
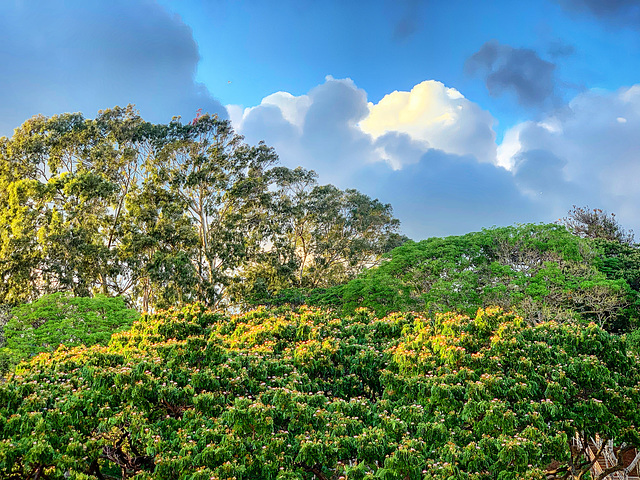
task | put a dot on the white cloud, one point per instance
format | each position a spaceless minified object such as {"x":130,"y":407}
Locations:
{"x":431,"y":153}
{"x":397,"y":130}
{"x":510,"y":147}
{"x":236,"y":115}
{"x":413,"y":150}
{"x":437,"y":116}
{"x":588,"y":152}
{"x":293,"y":109}
{"x":317,"y":131}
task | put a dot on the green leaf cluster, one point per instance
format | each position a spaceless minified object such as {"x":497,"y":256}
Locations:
{"x":542,"y":271}
{"x":304,"y":394}
{"x":61,"y":319}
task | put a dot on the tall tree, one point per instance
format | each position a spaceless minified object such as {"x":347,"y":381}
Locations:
{"x":223,"y":185}
{"x":596,"y":223}
{"x":320,"y":235}
{"x":169,"y":214}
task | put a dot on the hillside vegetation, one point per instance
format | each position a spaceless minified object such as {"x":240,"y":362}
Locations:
{"x":544,"y":272}
{"x":302,"y":394}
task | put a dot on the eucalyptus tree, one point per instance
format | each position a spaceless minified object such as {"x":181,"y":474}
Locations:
{"x":319,"y":236}
{"x":64,"y":183}
{"x":167,"y":214}
{"x":223,"y":185}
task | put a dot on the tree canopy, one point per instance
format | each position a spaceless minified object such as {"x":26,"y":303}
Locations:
{"x":544,"y":272}
{"x":303,"y":394}
{"x":170,"y":214}
{"x":61,"y":319}
{"x":506,"y":353}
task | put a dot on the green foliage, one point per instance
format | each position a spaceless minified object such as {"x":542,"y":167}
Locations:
{"x":302,"y":394}
{"x":633,"y":339}
{"x":170,"y":214}
{"x":61,"y":319}
{"x":542,"y":271}
{"x":320,"y":237}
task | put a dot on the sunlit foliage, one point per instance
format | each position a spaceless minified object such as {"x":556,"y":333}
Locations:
{"x":541,"y":271}
{"x":303,"y":394}
{"x":61,"y":319}
{"x":169,"y":214}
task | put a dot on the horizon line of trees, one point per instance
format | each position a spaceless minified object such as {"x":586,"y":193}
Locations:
{"x":169,"y":214}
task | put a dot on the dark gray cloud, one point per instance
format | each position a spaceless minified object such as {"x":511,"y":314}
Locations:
{"x":517,"y":70}
{"x":410,"y":20}
{"x":626,"y":12}
{"x":84,"y":56}
{"x":559,"y":49}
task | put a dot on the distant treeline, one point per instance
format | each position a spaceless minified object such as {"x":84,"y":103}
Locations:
{"x":165,"y":215}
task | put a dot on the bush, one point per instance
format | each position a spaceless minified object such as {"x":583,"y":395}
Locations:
{"x":301,"y":393}
{"x":61,"y":319}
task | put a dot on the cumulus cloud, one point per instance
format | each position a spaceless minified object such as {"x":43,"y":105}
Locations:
{"x":78,"y":56}
{"x":416,"y":149}
{"x":586,"y":153}
{"x":334,"y":125}
{"x":318,"y":130}
{"x":412,"y":149}
{"x":437,"y":116}
{"x":445,"y":194}
{"x":517,"y":70}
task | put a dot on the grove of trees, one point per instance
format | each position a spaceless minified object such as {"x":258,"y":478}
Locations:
{"x":544,"y":272}
{"x":170,"y":214}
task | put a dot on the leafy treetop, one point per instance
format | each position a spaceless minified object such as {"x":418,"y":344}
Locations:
{"x":303,"y":394}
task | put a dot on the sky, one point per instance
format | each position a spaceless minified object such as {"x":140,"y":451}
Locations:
{"x":461,"y":114}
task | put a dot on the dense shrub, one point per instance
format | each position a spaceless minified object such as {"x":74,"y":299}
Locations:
{"x":302,"y":394}
{"x":61,"y":319}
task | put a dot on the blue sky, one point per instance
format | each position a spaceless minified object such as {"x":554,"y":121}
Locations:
{"x":461,"y":114}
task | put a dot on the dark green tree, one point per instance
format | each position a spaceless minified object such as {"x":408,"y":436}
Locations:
{"x":542,"y":271}
{"x":61,"y":319}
